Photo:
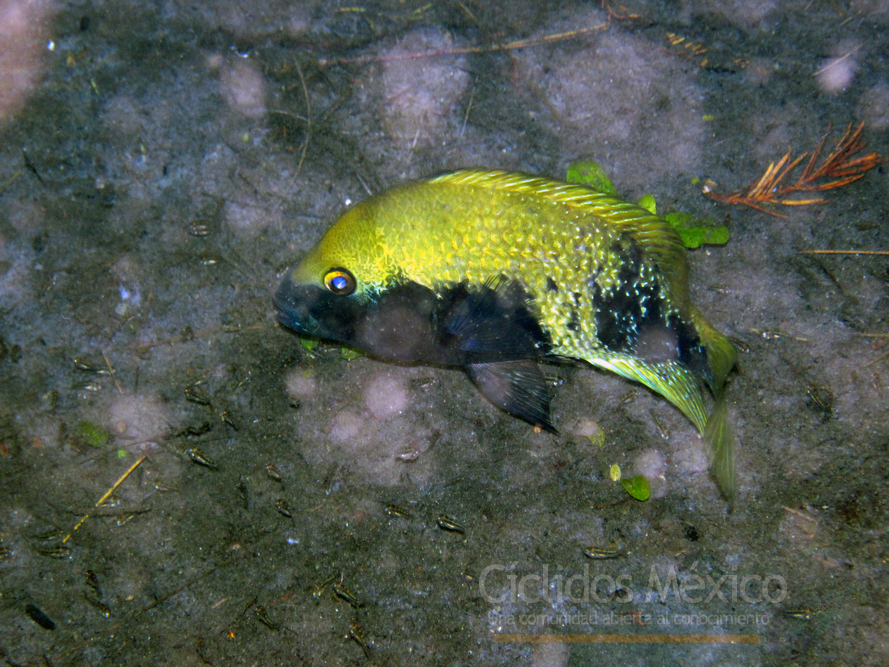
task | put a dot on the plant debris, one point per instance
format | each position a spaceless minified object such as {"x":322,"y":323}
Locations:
{"x":839,"y":169}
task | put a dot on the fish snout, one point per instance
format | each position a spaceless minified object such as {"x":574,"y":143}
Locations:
{"x":295,"y":304}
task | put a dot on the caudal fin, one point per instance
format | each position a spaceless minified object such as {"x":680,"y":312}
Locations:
{"x":721,"y":447}
{"x":721,"y":357}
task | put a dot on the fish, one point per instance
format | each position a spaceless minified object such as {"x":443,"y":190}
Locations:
{"x":494,"y":272}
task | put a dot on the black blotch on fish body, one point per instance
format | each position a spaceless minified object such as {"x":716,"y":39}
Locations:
{"x":629,"y":304}
{"x":493,"y":319}
{"x":631,"y":316}
{"x":490,"y":330}
{"x":691,"y":351}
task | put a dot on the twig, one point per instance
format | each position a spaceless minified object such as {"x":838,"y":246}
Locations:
{"x":107,"y":493}
{"x":302,"y":81}
{"x":844,"y":252}
{"x":517,"y":44}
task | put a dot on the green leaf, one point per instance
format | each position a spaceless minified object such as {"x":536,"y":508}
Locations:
{"x":308,"y":343}
{"x":597,"y":438}
{"x":696,"y":232}
{"x":648,"y":203}
{"x":590,"y":175}
{"x":637,"y":487}
{"x":92,"y":434}
{"x":348,"y":353}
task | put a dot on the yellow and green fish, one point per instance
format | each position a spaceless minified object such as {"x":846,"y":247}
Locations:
{"x":493,"y":271}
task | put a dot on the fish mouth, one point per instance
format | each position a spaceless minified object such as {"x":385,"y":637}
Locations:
{"x":291,"y":322}
{"x":294,"y":308}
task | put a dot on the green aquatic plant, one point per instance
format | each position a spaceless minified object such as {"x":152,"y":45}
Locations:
{"x":637,"y":487}
{"x":91,"y":433}
{"x":695,"y":231}
{"x":590,"y":175}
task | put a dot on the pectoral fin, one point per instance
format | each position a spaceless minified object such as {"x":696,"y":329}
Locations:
{"x":518,"y":387}
{"x":490,"y":322}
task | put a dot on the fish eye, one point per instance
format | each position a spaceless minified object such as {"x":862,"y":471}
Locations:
{"x":339,"y":281}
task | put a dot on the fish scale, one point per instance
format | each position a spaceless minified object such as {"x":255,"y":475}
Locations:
{"x":529,"y":244}
{"x":491,"y":271}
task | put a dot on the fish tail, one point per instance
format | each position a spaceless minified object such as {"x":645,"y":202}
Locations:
{"x":721,"y":358}
{"x":721,"y":447}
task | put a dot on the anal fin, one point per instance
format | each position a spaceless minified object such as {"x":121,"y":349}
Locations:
{"x":518,"y":387}
{"x":683,"y":388}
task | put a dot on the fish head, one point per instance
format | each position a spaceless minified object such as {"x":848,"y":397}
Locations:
{"x":346,"y":290}
{"x":314,"y":310}
{"x":322,"y":294}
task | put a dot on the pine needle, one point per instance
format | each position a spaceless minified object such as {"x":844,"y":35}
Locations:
{"x":840,"y":168}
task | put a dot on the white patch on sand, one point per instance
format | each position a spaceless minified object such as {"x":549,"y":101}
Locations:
{"x":371,"y":432}
{"x":690,"y":457}
{"x":386,"y":396}
{"x":244,"y":89}
{"x":836,"y":74}
{"x":549,"y":655}
{"x":249,"y":217}
{"x":298,"y":385}
{"x":586,"y":428}
{"x":420,"y":93}
{"x":623,"y":102}
{"x":138,"y":418}
{"x":22,"y":48}
{"x":347,"y":427}
{"x":748,"y":15}
{"x":652,"y":465}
